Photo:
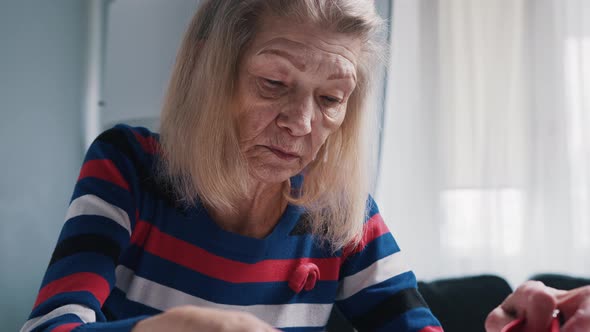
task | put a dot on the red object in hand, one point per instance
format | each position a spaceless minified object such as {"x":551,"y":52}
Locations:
{"x":518,"y":326}
{"x":304,"y":277}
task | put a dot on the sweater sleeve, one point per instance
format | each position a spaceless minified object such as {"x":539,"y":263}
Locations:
{"x":99,"y":222}
{"x":378,"y":292}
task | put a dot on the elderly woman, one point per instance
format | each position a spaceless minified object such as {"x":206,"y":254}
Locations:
{"x":250,"y":211}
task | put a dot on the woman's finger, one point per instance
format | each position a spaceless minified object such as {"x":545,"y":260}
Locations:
{"x":534,"y":302}
{"x":579,"y":321}
{"x":497,"y":319}
{"x":575,"y":308}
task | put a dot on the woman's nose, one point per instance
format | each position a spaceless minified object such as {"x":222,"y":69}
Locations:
{"x":297,"y":116}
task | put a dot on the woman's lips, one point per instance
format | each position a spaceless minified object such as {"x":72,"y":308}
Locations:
{"x":283,"y":154}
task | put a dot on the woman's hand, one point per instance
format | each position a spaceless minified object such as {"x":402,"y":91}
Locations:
{"x":533,"y":301}
{"x":536,"y":303}
{"x":575,"y":308}
{"x":192,"y":318}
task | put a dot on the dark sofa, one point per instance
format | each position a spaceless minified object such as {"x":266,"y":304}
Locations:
{"x":462,"y":304}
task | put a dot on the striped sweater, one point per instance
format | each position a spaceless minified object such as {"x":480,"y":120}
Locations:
{"x":128,"y":251}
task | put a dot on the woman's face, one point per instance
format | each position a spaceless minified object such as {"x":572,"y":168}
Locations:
{"x":294,"y":82}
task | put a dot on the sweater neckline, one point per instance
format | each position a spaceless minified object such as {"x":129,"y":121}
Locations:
{"x":246,"y":246}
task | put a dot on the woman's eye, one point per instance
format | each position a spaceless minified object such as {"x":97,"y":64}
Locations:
{"x":331,"y":101}
{"x":273,"y":83}
{"x":271,"y":88}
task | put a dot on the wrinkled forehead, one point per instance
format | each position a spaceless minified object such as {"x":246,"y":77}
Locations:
{"x":307,"y":41}
{"x":309,"y":58}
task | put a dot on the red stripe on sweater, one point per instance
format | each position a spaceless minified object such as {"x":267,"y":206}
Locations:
{"x":148,"y":144}
{"x":66,"y":327}
{"x":140,"y":232}
{"x":103,"y":169}
{"x":432,"y":329}
{"x":373,"y":228}
{"x":197,"y":259}
{"x":82,"y":281}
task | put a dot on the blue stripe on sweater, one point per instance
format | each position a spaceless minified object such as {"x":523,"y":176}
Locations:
{"x":363,"y":301}
{"x":381,"y":247}
{"x":122,"y":308}
{"x":81,"y":262}
{"x":82,"y":297}
{"x":109,"y":193}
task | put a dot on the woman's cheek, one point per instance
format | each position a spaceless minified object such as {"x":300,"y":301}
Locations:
{"x":335,"y":117}
{"x":332,"y":124}
{"x":258,"y":116}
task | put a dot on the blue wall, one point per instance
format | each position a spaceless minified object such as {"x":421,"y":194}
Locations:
{"x":42,"y":52}
{"x":142,"y":40}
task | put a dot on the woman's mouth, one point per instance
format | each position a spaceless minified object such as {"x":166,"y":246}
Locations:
{"x":282,"y":154}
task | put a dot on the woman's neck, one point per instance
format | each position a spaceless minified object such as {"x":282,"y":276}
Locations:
{"x":256,"y":215}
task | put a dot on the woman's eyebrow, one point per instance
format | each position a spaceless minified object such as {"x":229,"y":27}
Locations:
{"x":301,"y":65}
{"x":341,"y":76}
{"x":295,"y":60}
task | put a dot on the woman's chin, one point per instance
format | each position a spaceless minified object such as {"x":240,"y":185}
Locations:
{"x":273,"y":174}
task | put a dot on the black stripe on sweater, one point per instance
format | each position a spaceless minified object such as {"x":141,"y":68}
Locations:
{"x":389,"y":309}
{"x":108,"y":314}
{"x":302,"y":227}
{"x":86,"y":243}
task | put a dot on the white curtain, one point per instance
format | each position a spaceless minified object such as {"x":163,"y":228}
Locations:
{"x":486,"y":151}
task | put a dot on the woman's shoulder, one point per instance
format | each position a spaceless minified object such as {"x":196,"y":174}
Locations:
{"x":131,"y":156}
{"x":371,"y":208}
{"x":127,"y":150}
{"x":130,"y":140}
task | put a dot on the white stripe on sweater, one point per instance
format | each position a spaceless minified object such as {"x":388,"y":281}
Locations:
{"x":96,"y":206}
{"x":85,"y":314}
{"x":162,"y":297}
{"x":383,"y":269}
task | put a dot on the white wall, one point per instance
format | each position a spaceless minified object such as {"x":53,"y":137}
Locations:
{"x":42,"y":50}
